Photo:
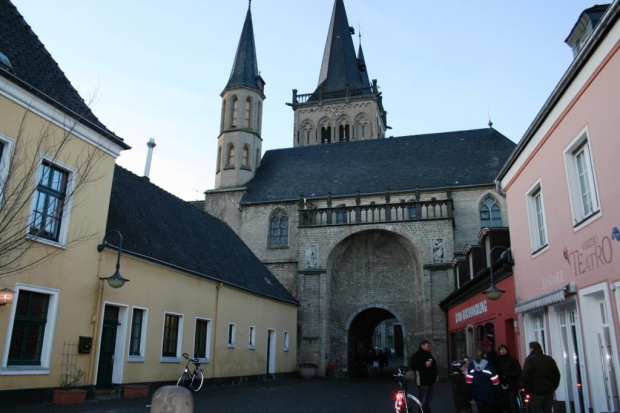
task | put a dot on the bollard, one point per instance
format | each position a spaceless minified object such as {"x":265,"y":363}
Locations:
{"x":172,"y":399}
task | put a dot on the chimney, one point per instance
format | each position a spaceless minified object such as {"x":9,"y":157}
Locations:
{"x":149,"y":156}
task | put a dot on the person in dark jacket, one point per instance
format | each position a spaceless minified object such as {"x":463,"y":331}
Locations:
{"x":540,"y":378}
{"x":482,"y":380}
{"x":459,"y":387}
{"x":510,"y":373}
{"x":425,"y":366}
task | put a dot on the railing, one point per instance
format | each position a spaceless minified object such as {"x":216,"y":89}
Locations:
{"x":338,"y":94}
{"x":375,"y":213}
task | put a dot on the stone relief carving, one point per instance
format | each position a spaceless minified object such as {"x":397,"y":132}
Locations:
{"x":438,"y":250}
{"x":312,"y":259}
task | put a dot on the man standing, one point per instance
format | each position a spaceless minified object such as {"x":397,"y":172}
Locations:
{"x":424,"y":363}
{"x":540,"y":378}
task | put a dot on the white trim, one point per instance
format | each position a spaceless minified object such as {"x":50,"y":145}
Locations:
{"x":252,"y":337}
{"x":5,"y":160}
{"x":48,"y":112}
{"x":532,"y":214}
{"x":48,"y":335}
{"x":177,"y":358}
{"x":232,"y":335}
{"x":286,"y":341}
{"x":206,"y":359}
{"x":143,"y":329}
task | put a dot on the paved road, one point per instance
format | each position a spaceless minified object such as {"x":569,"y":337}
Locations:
{"x":286,"y":395}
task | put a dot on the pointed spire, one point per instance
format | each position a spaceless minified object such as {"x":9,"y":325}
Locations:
{"x":361,"y":63}
{"x":339,"y":66}
{"x":245,"y":72}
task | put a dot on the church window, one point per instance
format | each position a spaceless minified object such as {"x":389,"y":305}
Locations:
{"x":246,"y":157}
{"x":248,"y":111}
{"x":257,"y":163}
{"x":259,"y":118}
{"x":490,"y":213}
{"x":362,"y":129}
{"x":219,"y":159}
{"x":231,"y":156}
{"x":235,"y":110}
{"x":343,"y":133}
{"x":278,"y":228}
{"x":326,"y":134}
{"x":223,"y":114}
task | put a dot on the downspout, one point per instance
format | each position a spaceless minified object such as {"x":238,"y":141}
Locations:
{"x":94,"y":323}
{"x":216,"y":324}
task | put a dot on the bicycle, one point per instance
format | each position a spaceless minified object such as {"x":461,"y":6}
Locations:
{"x":523,"y":401}
{"x":405,"y":402}
{"x":193,"y":380}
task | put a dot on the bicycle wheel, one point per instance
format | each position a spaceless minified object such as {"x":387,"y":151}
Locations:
{"x":413,"y":405}
{"x":197,"y":380}
{"x":183,"y":380}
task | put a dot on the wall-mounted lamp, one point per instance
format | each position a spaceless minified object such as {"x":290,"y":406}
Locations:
{"x":116,"y":280}
{"x":494,"y":293}
{"x":6,"y":296}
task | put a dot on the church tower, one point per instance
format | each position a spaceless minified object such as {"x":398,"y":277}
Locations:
{"x":239,"y":142}
{"x":345,"y":106}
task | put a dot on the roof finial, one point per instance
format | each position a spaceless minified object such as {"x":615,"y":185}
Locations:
{"x":490,"y":123}
{"x":249,"y":4}
{"x":360,"y":31}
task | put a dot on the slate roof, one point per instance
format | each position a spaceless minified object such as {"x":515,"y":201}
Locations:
{"x":462,"y":158}
{"x":244,"y":72}
{"x":161,"y":227}
{"x":34,"y":69}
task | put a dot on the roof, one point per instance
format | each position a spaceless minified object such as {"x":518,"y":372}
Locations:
{"x":462,"y":158}
{"x":339,"y":66}
{"x":244,"y":72}
{"x":160,"y":227}
{"x":34,"y":69}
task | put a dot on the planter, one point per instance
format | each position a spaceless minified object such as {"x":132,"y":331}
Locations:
{"x":134,"y":391}
{"x":307,"y":372}
{"x":73,"y":396}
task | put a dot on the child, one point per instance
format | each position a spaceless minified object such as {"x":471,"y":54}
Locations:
{"x":459,"y":387}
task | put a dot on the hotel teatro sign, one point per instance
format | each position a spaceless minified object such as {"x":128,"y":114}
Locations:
{"x":472,"y":311}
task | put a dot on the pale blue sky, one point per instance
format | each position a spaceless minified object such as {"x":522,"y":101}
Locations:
{"x":157,"y":67}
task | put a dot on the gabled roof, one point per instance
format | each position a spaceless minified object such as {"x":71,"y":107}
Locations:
{"x":34,"y":69}
{"x":160,"y":227}
{"x":339,"y":66}
{"x":244,"y":72}
{"x":462,"y":158}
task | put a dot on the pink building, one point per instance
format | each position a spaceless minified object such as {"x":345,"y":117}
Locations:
{"x":563,"y":194}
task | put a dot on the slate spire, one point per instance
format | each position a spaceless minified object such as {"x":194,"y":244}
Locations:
{"x":361,"y":64}
{"x":244,"y":72}
{"x":340,"y":65}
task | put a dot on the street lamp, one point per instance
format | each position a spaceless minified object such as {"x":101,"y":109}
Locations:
{"x":494,"y":293}
{"x":116,"y":280}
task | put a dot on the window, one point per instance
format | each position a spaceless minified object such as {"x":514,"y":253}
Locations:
{"x":343,"y":133}
{"x":413,"y":212}
{"x":581,"y":180}
{"x":536,"y":215}
{"x":252,"y":335}
{"x":172,"y":336}
{"x":248,"y":111}
{"x":537,"y":329}
{"x":219,"y":159}
{"x":246,"y":157}
{"x":490,"y":213}
{"x":341,"y":215}
{"x":32,"y":330}
{"x":326,"y":134}
{"x":49,"y":202}
{"x":223,"y":115}
{"x":231,"y":156}
{"x":286,"y":341}
{"x":278,"y":234}
{"x":138,"y":335}
{"x":257,"y":163}
{"x":5,"y":150}
{"x":235,"y":111}
{"x":232,"y":331}
{"x":202,"y":339}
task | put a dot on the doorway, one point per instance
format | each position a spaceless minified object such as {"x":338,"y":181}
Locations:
{"x":271,"y":352}
{"x":109,"y":328}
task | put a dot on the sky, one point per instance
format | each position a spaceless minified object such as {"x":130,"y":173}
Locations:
{"x":156,"y":68}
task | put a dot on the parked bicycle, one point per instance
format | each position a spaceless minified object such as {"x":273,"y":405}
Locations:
{"x":405,"y":402}
{"x":523,"y":401}
{"x":192,"y":380}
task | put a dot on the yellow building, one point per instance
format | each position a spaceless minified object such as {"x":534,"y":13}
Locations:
{"x":194,"y":286}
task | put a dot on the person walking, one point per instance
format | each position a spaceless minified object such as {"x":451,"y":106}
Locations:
{"x":510,"y":373}
{"x":540,"y":378}
{"x":482,"y":380}
{"x":425,"y":366}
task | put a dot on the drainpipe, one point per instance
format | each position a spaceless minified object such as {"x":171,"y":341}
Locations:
{"x":215,"y":326}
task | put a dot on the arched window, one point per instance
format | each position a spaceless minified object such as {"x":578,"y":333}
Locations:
{"x":248,"y":111}
{"x":223,"y":114}
{"x":259,"y":117}
{"x":231,"y":156}
{"x":219,"y":159}
{"x":343,"y":133}
{"x":278,"y":228}
{"x":490,"y":213}
{"x":257,"y":163}
{"x":326,"y":134}
{"x":362,"y":128}
{"x":306,"y":133}
{"x":235,"y":110}
{"x":246,"y":156}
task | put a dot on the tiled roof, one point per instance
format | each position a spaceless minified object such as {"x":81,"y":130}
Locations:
{"x":34,"y":69}
{"x":163,"y":228}
{"x":462,"y":158}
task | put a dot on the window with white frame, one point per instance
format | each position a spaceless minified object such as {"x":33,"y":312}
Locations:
{"x":286,"y":341}
{"x":581,"y":180}
{"x":232,"y":331}
{"x":173,"y":330}
{"x":5,"y":150}
{"x":252,"y":336}
{"x":137,"y":337}
{"x":538,"y":329}
{"x":537,"y":220}
{"x":202,"y":339}
{"x":31,"y":330}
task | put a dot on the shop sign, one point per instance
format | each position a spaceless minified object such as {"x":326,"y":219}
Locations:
{"x":592,"y":255}
{"x":472,"y":311}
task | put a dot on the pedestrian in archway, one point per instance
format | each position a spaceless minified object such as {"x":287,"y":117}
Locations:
{"x":423,"y":363}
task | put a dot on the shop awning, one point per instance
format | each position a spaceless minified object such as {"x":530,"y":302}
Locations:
{"x":552,"y":297}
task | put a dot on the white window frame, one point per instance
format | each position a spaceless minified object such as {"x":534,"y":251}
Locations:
{"x":533,"y":214}
{"x":66,"y":212}
{"x":5,"y":160}
{"x":232,"y":335}
{"x":145,"y":317}
{"x":177,"y":357}
{"x":286,"y":341}
{"x":206,"y":359}
{"x":252,"y":338}
{"x":536,"y":333}
{"x":581,"y":145}
{"x":48,"y":335}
